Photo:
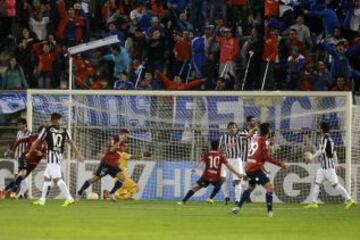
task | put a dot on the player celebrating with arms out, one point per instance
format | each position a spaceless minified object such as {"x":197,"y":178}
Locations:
{"x":213,"y":161}
{"x":55,"y":138}
{"x":254,"y":168}
{"x":328,"y":160}
{"x":109,"y":165}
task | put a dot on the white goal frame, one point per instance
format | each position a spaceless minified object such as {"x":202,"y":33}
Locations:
{"x":347,"y":95}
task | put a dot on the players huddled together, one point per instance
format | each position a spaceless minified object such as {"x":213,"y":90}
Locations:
{"x":242,"y":152}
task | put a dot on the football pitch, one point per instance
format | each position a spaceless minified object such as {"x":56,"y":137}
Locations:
{"x":158,"y":220}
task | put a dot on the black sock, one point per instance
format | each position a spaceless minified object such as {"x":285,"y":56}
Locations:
{"x":245,"y":196}
{"x":48,"y":191}
{"x":10,"y":186}
{"x":84,"y":187}
{"x":269,"y":201}
{"x":117,"y":185}
{"x":214,"y":192}
{"x":18,"y":180}
{"x":189,"y":194}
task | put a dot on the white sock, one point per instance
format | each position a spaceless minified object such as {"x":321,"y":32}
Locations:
{"x":315,"y":193}
{"x":238,"y":191}
{"x":61,"y":184}
{"x":44,"y":190}
{"x":23,"y":187}
{"x":225,"y":189}
{"x":343,"y":192}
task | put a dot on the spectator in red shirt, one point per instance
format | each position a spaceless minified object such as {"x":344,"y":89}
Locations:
{"x":182,"y":53}
{"x":70,"y":25}
{"x":229,"y":50}
{"x":83,"y":72}
{"x":176,"y":84}
{"x":46,"y":56}
{"x":269,"y":57}
{"x":182,"y":48}
{"x":157,"y":8}
{"x":271,"y":8}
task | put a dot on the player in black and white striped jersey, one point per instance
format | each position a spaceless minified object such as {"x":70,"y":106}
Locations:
{"x":23,"y":132}
{"x":55,"y":138}
{"x":251,"y":125}
{"x":231,"y":143}
{"x":327,"y":171}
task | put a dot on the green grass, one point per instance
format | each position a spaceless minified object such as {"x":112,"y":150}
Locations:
{"x":165,"y":220}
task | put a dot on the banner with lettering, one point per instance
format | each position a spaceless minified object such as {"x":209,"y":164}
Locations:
{"x":169,"y":180}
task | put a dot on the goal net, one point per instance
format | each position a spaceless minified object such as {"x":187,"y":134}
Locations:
{"x":355,"y":152}
{"x":177,"y":127}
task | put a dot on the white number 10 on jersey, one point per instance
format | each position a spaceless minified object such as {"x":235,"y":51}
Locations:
{"x":57,"y":139}
{"x":214,"y":162}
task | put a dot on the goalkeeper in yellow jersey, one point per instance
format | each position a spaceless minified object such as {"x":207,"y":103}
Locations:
{"x":129,"y":187}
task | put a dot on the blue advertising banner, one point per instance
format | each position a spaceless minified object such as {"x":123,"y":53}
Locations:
{"x":290,"y":116}
{"x":11,"y":102}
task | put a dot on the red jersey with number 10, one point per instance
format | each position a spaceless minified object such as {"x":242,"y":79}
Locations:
{"x":213,"y":163}
{"x":258,"y":155}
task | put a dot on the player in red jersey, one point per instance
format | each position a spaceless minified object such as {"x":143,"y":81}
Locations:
{"x":110,"y":165}
{"x":26,"y":164}
{"x":214,"y":161}
{"x":254,"y":168}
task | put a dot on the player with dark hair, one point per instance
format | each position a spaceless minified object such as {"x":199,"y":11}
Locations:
{"x":327,"y":171}
{"x":55,"y":138}
{"x":110,"y":165}
{"x":213,"y":161}
{"x":254,"y":168}
{"x":234,"y":145}
{"x":26,"y":164}
{"x":23,"y":132}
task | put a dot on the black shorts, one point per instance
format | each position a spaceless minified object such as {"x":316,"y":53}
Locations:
{"x":105,"y":169}
{"x":257,"y":177}
{"x":204,"y":183}
{"x":24,"y":165}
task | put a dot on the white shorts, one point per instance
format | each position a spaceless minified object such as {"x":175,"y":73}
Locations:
{"x":326,"y":174}
{"x":237,"y":165}
{"x":53,"y":170}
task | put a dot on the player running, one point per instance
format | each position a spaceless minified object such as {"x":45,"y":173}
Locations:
{"x":254,"y":168}
{"x":213,"y":161}
{"x":55,"y":138}
{"x":26,"y":164}
{"x":18,"y":151}
{"x":328,"y":161}
{"x":110,"y":165}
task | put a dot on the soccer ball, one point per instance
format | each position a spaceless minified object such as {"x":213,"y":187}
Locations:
{"x":93,"y":196}
{"x":307,"y":157}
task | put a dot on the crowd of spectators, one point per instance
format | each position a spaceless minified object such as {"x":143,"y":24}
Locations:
{"x":309,"y":45}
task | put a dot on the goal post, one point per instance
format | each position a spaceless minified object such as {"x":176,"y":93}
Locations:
{"x":177,"y":126}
